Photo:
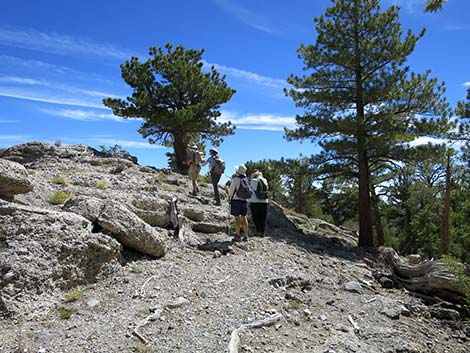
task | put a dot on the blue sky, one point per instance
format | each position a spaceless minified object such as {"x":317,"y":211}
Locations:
{"x":58,"y":59}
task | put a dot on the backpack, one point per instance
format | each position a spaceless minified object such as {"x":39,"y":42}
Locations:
{"x":219,"y":167}
{"x":244,"y":191}
{"x":261,"y":190}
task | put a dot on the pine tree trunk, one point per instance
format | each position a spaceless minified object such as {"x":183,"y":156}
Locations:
{"x":365,"y":225}
{"x":446,"y":212}
{"x":179,"y":145}
{"x":379,"y":231}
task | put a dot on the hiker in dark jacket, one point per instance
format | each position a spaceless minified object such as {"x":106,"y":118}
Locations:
{"x":216,"y":169}
{"x":259,"y":202}
{"x":239,"y":203}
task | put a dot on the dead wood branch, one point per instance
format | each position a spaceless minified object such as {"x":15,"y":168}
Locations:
{"x":235,"y":336}
{"x":152,"y":317}
{"x":430,"y":278}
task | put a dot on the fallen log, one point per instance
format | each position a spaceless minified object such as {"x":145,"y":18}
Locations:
{"x":434,"y":278}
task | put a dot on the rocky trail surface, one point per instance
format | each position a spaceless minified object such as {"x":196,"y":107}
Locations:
{"x":132,"y":263}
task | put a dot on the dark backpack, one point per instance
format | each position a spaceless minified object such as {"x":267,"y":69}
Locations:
{"x":244,"y":191}
{"x":261,"y":190}
{"x":219,"y":167}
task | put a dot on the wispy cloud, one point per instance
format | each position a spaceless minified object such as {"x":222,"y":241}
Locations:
{"x":55,"y":43}
{"x":8,"y":121}
{"x":466,"y":84}
{"x":251,"y":77}
{"x":83,"y":115}
{"x":105,"y":140}
{"x":51,"y":92}
{"x":258,"y":121}
{"x":9,"y":140}
{"x":411,"y":6}
{"x":245,"y":15}
{"x":70,"y":89}
{"x":43,"y":97}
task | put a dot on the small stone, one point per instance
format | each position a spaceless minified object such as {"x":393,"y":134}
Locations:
{"x":323,"y":318}
{"x":307,"y":312}
{"x":92,"y":303}
{"x":217,"y":254}
{"x":414,"y":259}
{"x":354,"y":287}
{"x":405,"y":311}
{"x":42,"y":350}
{"x":330,"y":302}
{"x":386,"y":282}
{"x":466,"y":330}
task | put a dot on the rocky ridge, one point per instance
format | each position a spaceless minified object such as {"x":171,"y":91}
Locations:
{"x":131,"y":262}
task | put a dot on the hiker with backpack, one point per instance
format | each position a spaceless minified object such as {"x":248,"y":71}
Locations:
{"x":259,"y":202}
{"x":216,"y":169}
{"x":195,"y":159}
{"x":239,"y":193}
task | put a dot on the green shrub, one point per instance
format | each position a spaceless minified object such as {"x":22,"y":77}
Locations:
{"x":457,"y":269}
{"x":60,"y":197}
{"x":101,"y":184}
{"x":137,"y":269}
{"x":65,"y":313}
{"x":60,"y":180}
{"x":73,"y":296}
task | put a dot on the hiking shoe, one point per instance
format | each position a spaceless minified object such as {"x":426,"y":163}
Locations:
{"x":245,"y":238}
{"x":237,"y":238}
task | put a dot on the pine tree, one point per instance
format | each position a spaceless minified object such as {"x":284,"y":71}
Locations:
{"x":361,"y":102}
{"x":434,"y":5}
{"x":177,"y":100}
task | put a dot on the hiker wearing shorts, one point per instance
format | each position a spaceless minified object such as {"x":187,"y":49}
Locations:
{"x":238,"y":197}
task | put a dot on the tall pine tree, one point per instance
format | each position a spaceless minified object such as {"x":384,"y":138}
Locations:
{"x":178,"y":102}
{"x":361,"y":102}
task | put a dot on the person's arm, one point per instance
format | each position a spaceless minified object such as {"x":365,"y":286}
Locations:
{"x":233,"y":187}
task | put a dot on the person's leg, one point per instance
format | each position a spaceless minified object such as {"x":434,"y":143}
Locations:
{"x":263,"y":215}
{"x":254,"y":215}
{"x":237,"y":226}
{"x":215,"y":183}
{"x":245,"y":226}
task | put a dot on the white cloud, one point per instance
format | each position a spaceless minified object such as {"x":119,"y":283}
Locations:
{"x":249,"y":76}
{"x":10,"y":140}
{"x":84,"y":115}
{"x":44,"y":97}
{"x":33,"y":82}
{"x":245,"y":15}
{"x":55,"y":43}
{"x":466,"y":84}
{"x":8,"y":121}
{"x":258,"y":121}
{"x":411,"y":6}
{"x":108,"y":141}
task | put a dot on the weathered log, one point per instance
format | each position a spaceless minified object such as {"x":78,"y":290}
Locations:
{"x":434,"y":278}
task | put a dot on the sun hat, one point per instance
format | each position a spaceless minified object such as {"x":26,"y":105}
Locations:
{"x":241,"y":169}
{"x":213,"y":150}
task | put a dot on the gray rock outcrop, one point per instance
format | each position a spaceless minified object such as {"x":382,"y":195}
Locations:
{"x":41,"y":249}
{"x":121,"y":223}
{"x":13,"y":179}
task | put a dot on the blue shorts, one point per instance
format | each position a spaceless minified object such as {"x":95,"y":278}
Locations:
{"x":239,"y":208}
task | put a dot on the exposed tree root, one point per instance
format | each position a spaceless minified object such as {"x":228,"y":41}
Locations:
{"x":152,"y":317}
{"x":235,"y":336}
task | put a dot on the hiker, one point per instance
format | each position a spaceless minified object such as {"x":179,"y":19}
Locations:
{"x":239,"y":192}
{"x":194,"y":158}
{"x":259,"y":202}
{"x":216,"y":169}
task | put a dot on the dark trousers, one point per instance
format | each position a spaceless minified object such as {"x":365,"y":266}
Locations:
{"x":259,"y":212}
{"x":215,"y":183}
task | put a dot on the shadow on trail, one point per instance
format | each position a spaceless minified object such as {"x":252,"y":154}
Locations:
{"x":281,"y":229}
